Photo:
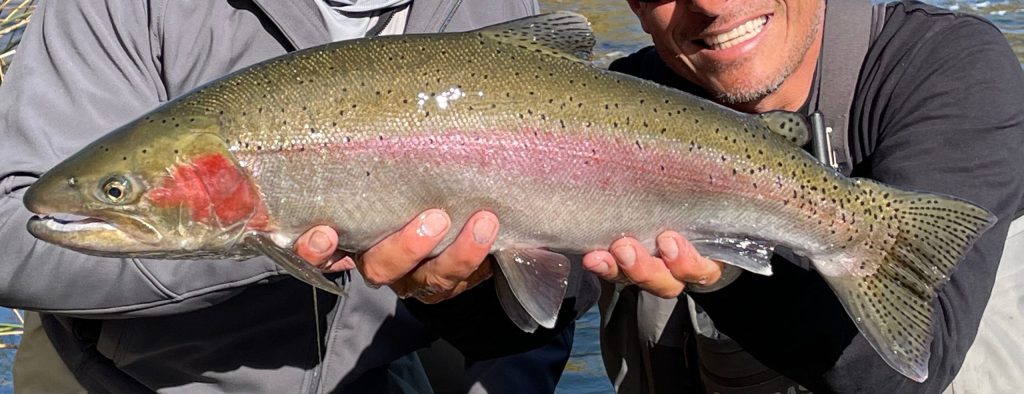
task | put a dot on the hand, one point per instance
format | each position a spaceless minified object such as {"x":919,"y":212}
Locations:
{"x":665,"y":276}
{"x":399,"y":260}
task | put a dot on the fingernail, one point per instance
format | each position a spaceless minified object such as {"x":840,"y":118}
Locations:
{"x":626,"y":255}
{"x":484,"y":229}
{"x":431,"y":224}
{"x":319,"y":242}
{"x":668,"y":248}
{"x":601,"y":267}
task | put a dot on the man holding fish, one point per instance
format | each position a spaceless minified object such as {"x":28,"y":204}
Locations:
{"x":243,"y":166}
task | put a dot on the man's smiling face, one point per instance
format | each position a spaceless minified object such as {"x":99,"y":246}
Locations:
{"x":741,"y":51}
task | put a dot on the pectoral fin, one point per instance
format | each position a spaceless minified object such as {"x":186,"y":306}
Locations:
{"x":531,"y":285}
{"x":292,"y":263}
{"x":750,"y":255}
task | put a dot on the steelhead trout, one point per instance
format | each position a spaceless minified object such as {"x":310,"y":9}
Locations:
{"x":361,"y":135}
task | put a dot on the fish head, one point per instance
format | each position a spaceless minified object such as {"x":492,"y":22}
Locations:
{"x":161,"y":186}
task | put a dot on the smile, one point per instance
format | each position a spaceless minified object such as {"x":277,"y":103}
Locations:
{"x":737,"y":35}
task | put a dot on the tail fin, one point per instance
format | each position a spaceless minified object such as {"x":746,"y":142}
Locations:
{"x":890,"y":296}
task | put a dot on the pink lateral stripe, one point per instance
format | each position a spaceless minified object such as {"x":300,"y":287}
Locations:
{"x":580,"y":158}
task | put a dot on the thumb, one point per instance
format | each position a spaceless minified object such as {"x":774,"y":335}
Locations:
{"x":317,"y":245}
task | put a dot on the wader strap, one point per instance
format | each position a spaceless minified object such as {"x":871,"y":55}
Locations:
{"x":849,"y":31}
{"x":384,"y":19}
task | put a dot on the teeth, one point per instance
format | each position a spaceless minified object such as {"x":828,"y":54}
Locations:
{"x":735,"y":36}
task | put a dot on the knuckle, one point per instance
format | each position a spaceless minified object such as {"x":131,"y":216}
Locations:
{"x":459,"y":264}
{"x":436,"y":283}
{"x":373,"y":275}
{"x":410,"y":250}
{"x":434,"y":298}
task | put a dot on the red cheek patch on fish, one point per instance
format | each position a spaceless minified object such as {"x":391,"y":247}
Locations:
{"x":212,"y":187}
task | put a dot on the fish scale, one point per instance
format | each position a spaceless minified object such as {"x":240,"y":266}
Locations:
{"x":361,"y":135}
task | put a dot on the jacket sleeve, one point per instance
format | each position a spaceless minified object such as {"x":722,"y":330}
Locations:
{"x":82,"y":69}
{"x":950,"y":123}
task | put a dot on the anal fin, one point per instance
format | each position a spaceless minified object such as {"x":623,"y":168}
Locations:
{"x":531,"y":285}
{"x":750,"y":255}
{"x":292,"y":263}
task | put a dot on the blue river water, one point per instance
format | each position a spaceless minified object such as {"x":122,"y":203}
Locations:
{"x":618,"y":34}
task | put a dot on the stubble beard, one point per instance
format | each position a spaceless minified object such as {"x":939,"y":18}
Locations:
{"x":756,"y":91}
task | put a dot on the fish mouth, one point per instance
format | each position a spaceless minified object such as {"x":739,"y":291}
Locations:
{"x":119,"y":234}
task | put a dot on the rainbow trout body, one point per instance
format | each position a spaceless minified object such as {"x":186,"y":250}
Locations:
{"x":359,"y":135}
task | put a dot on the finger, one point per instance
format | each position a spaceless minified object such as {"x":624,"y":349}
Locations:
{"x":338,"y":264}
{"x":317,"y":245}
{"x":648,"y":272}
{"x":476,"y":277}
{"x":602,"y":263}
{"x":447,"y":274}
{"x":402,"y":251}
{"x":685,"y":263}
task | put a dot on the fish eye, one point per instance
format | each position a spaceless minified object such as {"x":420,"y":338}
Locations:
{"x":115,"y":189}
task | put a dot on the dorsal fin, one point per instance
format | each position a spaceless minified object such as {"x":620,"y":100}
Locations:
{"x":561,"y":33}
{"x":790,"y":125}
